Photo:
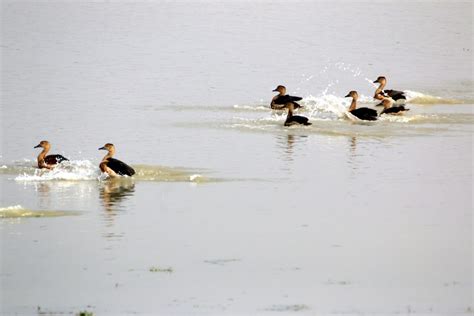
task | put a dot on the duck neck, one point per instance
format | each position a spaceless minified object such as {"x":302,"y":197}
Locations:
{"x":380,"y":88}
{"x":43,"y":154}
{"x":353,"y":104}
{"x":110,"y":153}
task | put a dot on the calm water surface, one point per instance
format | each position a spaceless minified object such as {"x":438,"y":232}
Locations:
{"x":230,"y":212}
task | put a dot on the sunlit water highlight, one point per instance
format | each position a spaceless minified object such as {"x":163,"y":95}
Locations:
{"x":230,"y":212}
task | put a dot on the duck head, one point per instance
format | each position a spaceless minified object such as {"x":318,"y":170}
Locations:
{"x":352,"y":94}
{"x":109,"y":147}
{"x":381,"y":79}
{"x":43,"y":144}
{"x":281,"y":89}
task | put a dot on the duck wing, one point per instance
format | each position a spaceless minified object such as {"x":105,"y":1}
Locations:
{"x":296,"y":119}
{"x":365,"y":114}
{"x":120,"y":167}
{"x":54,"y":159}
{"x":395,"y":95}
{"x":284,"y":99}
{"x":394,"y":110}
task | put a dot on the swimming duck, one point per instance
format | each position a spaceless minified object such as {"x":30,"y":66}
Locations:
{"x":48,"y":162}
{"x":295,"y":119}
{"x":280,"y":101}
{"x":114,"y":167}
{"x":381,"y":94}
{"x":392,"y":110}
{"x":365,"y":114}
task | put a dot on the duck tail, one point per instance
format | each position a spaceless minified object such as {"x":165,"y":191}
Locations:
{"x":297,"y":105}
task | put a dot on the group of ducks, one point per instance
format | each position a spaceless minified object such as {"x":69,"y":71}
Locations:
{"x":114,"y":167}
{"x":387,"y":97}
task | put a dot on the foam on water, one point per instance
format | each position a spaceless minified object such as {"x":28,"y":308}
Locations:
{"x":329,"y":103}
{"x":167,"y":174}
{"x":327,"y":107}
{"x":251,"y":108}
{"x":85,"y":170}
{"x":329,"y":116}
{"x":18,"y":211}
{"x":67,"y":170}
{"x":425,"y":99}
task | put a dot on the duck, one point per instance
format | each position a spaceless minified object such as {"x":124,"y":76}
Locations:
{"x":295,"y":119}
{"x":392,"y":110}
{"x":381,"y":94}
{"x":280,"y":101}
{"x":50,"y":161}
{"x":365,"y":114}
{"x":114,"y":167}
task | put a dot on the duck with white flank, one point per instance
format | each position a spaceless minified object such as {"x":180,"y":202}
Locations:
{"x":392,"y":110}
{"x":365,"y":114}
{"x":281,"y":100}
{"x":114,"y":167}
{"x":295,"y":119}
{"x":50,"y":161}
{"x":381,"y":94}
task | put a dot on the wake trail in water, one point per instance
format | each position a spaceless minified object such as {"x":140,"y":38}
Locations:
{"x":18,"y":211}
{"x":426,"y":99}
{"x":329,"y":115}
{"x":85,"y":170}
{"x":337,"y":104}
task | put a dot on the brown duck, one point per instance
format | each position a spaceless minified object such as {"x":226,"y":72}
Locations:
{"x":50,"y":161}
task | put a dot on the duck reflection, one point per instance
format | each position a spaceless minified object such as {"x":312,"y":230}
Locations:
{"x":113,"y":193}
{"x":352,"y":158}
{"x":289,"y":143}
{"x":54,"y":194}
{"x":43,"y":189}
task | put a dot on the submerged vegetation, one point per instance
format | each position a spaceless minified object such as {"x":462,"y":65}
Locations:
{"x":41,"y":311}
{"x":158,"y":269}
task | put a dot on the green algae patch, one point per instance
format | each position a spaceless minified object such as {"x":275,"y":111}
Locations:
{"x":159,"y":269}
{"x":17,"y":211}
{"x":167,"y":174}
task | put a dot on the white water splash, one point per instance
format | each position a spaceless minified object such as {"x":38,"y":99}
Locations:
{"x":67,"y":170}
{"x":251,"y":108}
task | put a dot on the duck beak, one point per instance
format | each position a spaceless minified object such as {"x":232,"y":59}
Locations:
{"x":376,"y":81}
{"x":348,"y":95}
{"x":101,"y":148}
{"x":37,"y":146}
{"x":275,"y":90}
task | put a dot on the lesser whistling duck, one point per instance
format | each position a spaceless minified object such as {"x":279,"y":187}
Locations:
{"x":281,"y":100}
{"x":114,"y":167}
{"x":381,"y":94}
{"x":392,"y":110}
{"x":365,"y":114}
{"x":50,"y":161}
{"x":295,"y":119}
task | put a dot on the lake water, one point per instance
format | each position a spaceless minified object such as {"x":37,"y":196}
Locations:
{"x":230,"y":212}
